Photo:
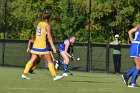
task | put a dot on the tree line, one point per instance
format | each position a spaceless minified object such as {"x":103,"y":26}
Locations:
{"x":108,"y":17}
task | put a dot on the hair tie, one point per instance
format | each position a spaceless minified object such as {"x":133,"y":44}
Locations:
{"x":46,"y":11}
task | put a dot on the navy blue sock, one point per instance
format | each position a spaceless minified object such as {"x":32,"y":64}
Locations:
{"x":129,"y":73}
{"x":60,"y":62}
{"x":65,"y":68}
{"x":134,"y":76}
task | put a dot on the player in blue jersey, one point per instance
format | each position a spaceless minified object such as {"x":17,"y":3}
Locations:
{"x":64,"y":51}
{"x":135,"y":53}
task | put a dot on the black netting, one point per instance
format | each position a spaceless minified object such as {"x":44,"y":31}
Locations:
{"x":15,"y":55}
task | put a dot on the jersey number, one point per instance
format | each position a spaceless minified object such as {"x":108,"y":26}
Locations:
{"x":39,"y":32}
{"x":136,"y":35}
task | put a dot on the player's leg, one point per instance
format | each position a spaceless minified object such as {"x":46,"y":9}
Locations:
{"x":50,"y":64}
{"x":35,"y":64}
{"x":46,"y":64}
{"x":135,"y":73}
{"x":118,"y":63}
{"x":28,"y":67}
{"x":115,"y":63}
{"x":129,"y":73}
{"x":51,"y":67}
{"x":126,"y":76}
{"x":133,"y":53}
{"x":66,"y":62}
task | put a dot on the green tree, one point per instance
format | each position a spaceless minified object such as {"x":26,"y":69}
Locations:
{"x":67,"y":17}
{"x":1,"y":18}
{"x":113,"y":16}
{"x":70,"y":17}
{"x":108,"y":17}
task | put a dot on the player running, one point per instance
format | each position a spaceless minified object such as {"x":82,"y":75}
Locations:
{"x":40,"y":47}
{"x":64,"y":48}
{"x":135,"y":53}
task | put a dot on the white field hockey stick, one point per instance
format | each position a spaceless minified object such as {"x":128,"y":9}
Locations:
{"x":73,"y":58}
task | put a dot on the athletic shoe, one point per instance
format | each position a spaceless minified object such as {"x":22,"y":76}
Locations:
{"x":65,"y":75}
{"x":32,"y":72}
{"x":25,"y":77}
{"x":57,"y":78}
{"x":133,"y":86}
{"x":125,"y":80}
{"x":56,"y":66}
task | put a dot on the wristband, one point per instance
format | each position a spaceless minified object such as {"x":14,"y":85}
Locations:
{"x":53,"y":47}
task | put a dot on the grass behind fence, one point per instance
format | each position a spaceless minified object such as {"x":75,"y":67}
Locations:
{"x":15,"y":55}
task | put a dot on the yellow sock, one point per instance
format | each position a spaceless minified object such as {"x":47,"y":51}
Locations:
{"x":27,"y":68}
{"x":34,"y":65}
{"x":51,"y":68}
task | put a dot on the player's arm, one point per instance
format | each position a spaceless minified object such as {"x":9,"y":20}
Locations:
{"x":130,"y":33}
{"x":49,"y":36}
{"x":31,"y":41}
{"x":112,"y":43}
{"x":67,"y":44}
{"x":117,"y":43}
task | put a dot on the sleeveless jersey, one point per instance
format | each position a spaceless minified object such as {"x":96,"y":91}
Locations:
{"x":135,"y":46}
{"x":137,"y":35}
{"x":62,"y":46}
{"x":39,"y":46}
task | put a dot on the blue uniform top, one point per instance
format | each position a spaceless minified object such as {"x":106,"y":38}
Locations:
{"x":62,"y":46}
{"x":135,"y":46}
{"x":137,"y":35}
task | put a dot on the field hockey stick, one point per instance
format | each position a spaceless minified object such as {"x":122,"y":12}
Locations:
{"x":63,"y":67}
{"x":74,"y":59}
{"x":72,"y":56}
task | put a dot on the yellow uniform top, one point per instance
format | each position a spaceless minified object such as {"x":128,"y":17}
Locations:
{"x":40,"y":40}
{"x":39,"y":46}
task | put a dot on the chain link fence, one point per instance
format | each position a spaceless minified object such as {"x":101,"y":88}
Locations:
{"x":101,"y":57}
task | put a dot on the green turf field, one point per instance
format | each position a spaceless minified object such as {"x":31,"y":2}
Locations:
{"x":81,"y":82}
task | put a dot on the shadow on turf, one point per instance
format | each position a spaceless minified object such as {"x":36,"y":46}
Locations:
{"x":88,"y":81}
{"x":75,"y":68}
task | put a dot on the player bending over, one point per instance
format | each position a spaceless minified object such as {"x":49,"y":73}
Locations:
{"x":63,"y":48}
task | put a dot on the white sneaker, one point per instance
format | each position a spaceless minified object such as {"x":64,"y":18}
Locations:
{"x":56,"y":66}
{"x":133,"y":86}
{"x":57,"y":78}
{"x":65,"y":75}
{"x":25,"y":77}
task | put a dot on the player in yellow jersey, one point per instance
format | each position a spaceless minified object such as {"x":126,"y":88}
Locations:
{"x":40,"y":47}
{"x":37,"y":61}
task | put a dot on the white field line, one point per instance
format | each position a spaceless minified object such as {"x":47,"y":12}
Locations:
{"x":107,"y":90}
{"x":86,"y":90}
{"x":28,"y":89}
{"x":102,"y":89}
